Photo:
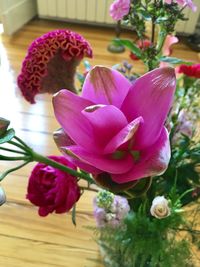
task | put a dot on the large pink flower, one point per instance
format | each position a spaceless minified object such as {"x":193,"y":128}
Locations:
{"x":116,"y":127}
{"x":51,"y":62}
{"x":119,"y":8}
{"x":188,"y":3}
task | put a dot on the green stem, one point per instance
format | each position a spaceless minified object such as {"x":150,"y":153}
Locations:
{"x":22,"y":143}
{"x":129,"y":194}
{"x":14,"y":158}
{"x":3,"y":175}
{"x":89,"y":189}
{"x":39,"y":158}
{"x":153,"y":26}
{"x":13,"y":150}
{"x":17,"y":145}
{"x":153,"y":31}
{"x":161,"y":39}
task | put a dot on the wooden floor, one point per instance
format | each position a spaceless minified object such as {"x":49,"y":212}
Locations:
{"x":25,"y":238}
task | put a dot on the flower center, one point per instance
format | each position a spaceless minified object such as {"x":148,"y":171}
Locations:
{"x":118,"y":154}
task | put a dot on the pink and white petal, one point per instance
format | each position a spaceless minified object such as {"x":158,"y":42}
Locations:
{"x":106,"y":121}
{"x":153,"y":161}
{"x":169,"y":41}
{"x":105,"y":86}
{"x":125,"y":135}
{"x":102,"y":162}
{"x":62,"y":139}
{"x":67,"y":109}
{"x":151,"y":97}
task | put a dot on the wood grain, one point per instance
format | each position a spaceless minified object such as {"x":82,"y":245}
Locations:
{"x":25,"y":238}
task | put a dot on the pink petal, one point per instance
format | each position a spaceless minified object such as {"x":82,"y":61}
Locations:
{"x":153,"y":161}
{"x":169,"y":41}
{"x":77,"y":162}
{"x":191,"y":5}
{"x":67,"y":108}
{"x":106,"y":121}
{"x":105,"y":86}
{"x":104,"y":163}
{"x":126,"y":134}
{"x":151,"y":98}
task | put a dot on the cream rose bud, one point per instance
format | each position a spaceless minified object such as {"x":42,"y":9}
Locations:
{"x":160,"y":208}
{"x":2,"y":196}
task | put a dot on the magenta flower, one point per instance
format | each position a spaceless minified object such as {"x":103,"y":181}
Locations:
{"x":119,"y":8}
{"x":188,"y":3}
{"x":51,"y":62}
{"x":52,"y":190}
{"x":116,"y":127}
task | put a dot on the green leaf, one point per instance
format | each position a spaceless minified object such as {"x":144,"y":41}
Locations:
{"x":7,"y":136}
{"x":145,"y":15}
{"x":161,"y":19}
{"x":174,"y":60}
{"x":74,"y":215}
{"x":130,"y":45}
{"x":87,"y":65}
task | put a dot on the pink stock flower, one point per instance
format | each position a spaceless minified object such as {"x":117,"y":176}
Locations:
{"x":185,"y":126}
{"x":112,"y":217}
{"x":119,"y":8}
{"x":116,"y":127}
{"x":51,"y":189}
{"x":188,"y":3}
{"x":51,"y":62}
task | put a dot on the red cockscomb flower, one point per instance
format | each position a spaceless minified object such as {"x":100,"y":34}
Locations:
{"x":191,"y":71}
{"x":51,"y":62}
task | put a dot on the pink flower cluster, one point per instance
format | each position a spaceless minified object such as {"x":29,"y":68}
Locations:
{"x":112,"y":217}
{"x":188,"y":3}
{"x":119,"y":8}
{"x":52,"y":189}
{"x":191,"y":71}
{"x":51,"y":63}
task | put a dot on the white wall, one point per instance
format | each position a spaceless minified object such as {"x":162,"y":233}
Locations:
{"x":15,"y":13}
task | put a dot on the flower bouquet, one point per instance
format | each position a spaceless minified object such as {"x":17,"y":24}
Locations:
{"x":133,"y":139}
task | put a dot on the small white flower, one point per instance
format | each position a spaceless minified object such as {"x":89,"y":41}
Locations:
{"x":160,"y":208}
{"x":110,"y":217}
{"x":2,"y":196}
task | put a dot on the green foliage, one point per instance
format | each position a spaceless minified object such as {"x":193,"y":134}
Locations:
{"x":130,"y":45}
{"x":145,"y":242}
{"x":174,"y":60}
